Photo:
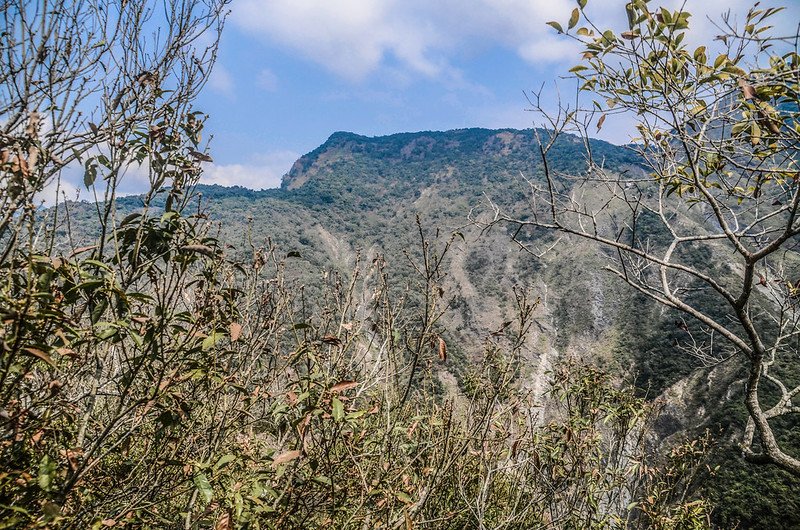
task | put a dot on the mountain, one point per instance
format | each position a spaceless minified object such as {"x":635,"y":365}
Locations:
{"x":357,"y":197}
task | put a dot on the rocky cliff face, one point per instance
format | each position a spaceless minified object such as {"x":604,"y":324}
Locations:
{"x":359,"y":195}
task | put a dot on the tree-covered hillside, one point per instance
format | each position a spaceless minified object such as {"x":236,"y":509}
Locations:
{"x":358,"y":196}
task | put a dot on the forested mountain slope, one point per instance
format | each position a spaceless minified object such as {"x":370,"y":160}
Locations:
{"x":356,"y":197}
{"x":361,"y":196}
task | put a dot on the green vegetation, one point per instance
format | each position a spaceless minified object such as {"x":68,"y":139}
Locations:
{"x":166,"y":382}
{"x":349,"y":350}
{"x":718,"y":140}
{"x":644,"y":342}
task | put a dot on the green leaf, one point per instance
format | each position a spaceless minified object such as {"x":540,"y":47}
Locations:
{"x":403,"y":497}
{"x":700,"y":55}
{"x":211,"y":341}
{"x":90,"y":175}
{"x":338,"y":409}
{"x":98,"y":310}
{"x":755,"y":133}
{"x":204,"y":487}
{"x":226,"y":459}
{"x":168,"y":216}
{"x":355,"y":415}
{"x":238,"y":504}
{"x":137,"y":339}
{"x":573,"y":20}
{"x":739,"y":127}
{"x":96,"y":263}
{"x":555,"y":25}
{"x":130,"y":218}
{"x":46,"y":469}
{"x":105,"y":330}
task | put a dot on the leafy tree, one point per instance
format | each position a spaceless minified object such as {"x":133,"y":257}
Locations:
{"x":155,"y":379}
{"x":718,"y":145}
{"x":90,"y":335}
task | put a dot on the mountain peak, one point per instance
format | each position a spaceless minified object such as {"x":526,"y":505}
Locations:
{"x":344,"y":136}
{"x":453,"y":147}
{"x":398,"y":147}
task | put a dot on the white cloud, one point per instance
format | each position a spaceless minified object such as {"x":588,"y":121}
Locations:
{"x":262,"y":171}
{"x":221,"y":81}
{"x":267,"y":80}
{"x":132,"y":179}
{"x":547,"y":49}
{"x":56,"y":191}
{"x":500,"y":116}
{"x":356,"y":38}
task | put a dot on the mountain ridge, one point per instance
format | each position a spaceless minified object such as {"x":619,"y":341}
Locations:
{"x":415,"y":145}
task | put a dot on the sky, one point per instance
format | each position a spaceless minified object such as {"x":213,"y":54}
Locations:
{"x":292,"y":72}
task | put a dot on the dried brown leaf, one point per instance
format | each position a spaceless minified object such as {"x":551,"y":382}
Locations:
{"x":198,"y":155}
{"x":200,"y":249}
{"x":341,"y":386}
{"x":224,"y":522}
{"x":146,"y":78}
{"x":82,"y":250}
{"x":23,"y":166}
{"x":331,"y":339}
{"x":283,"y":458}
{"x":39,"y":354}
{"x":34,"y":119}
{"x":303,"y":425}
{"x":747,"y":89}
{"x":33,"y":157}
{"x":235,"y":330}
{"x":411,"y":429}
{"x":502,"y":328}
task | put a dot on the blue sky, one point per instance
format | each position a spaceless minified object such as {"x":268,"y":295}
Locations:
{"x":291,"y":72}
